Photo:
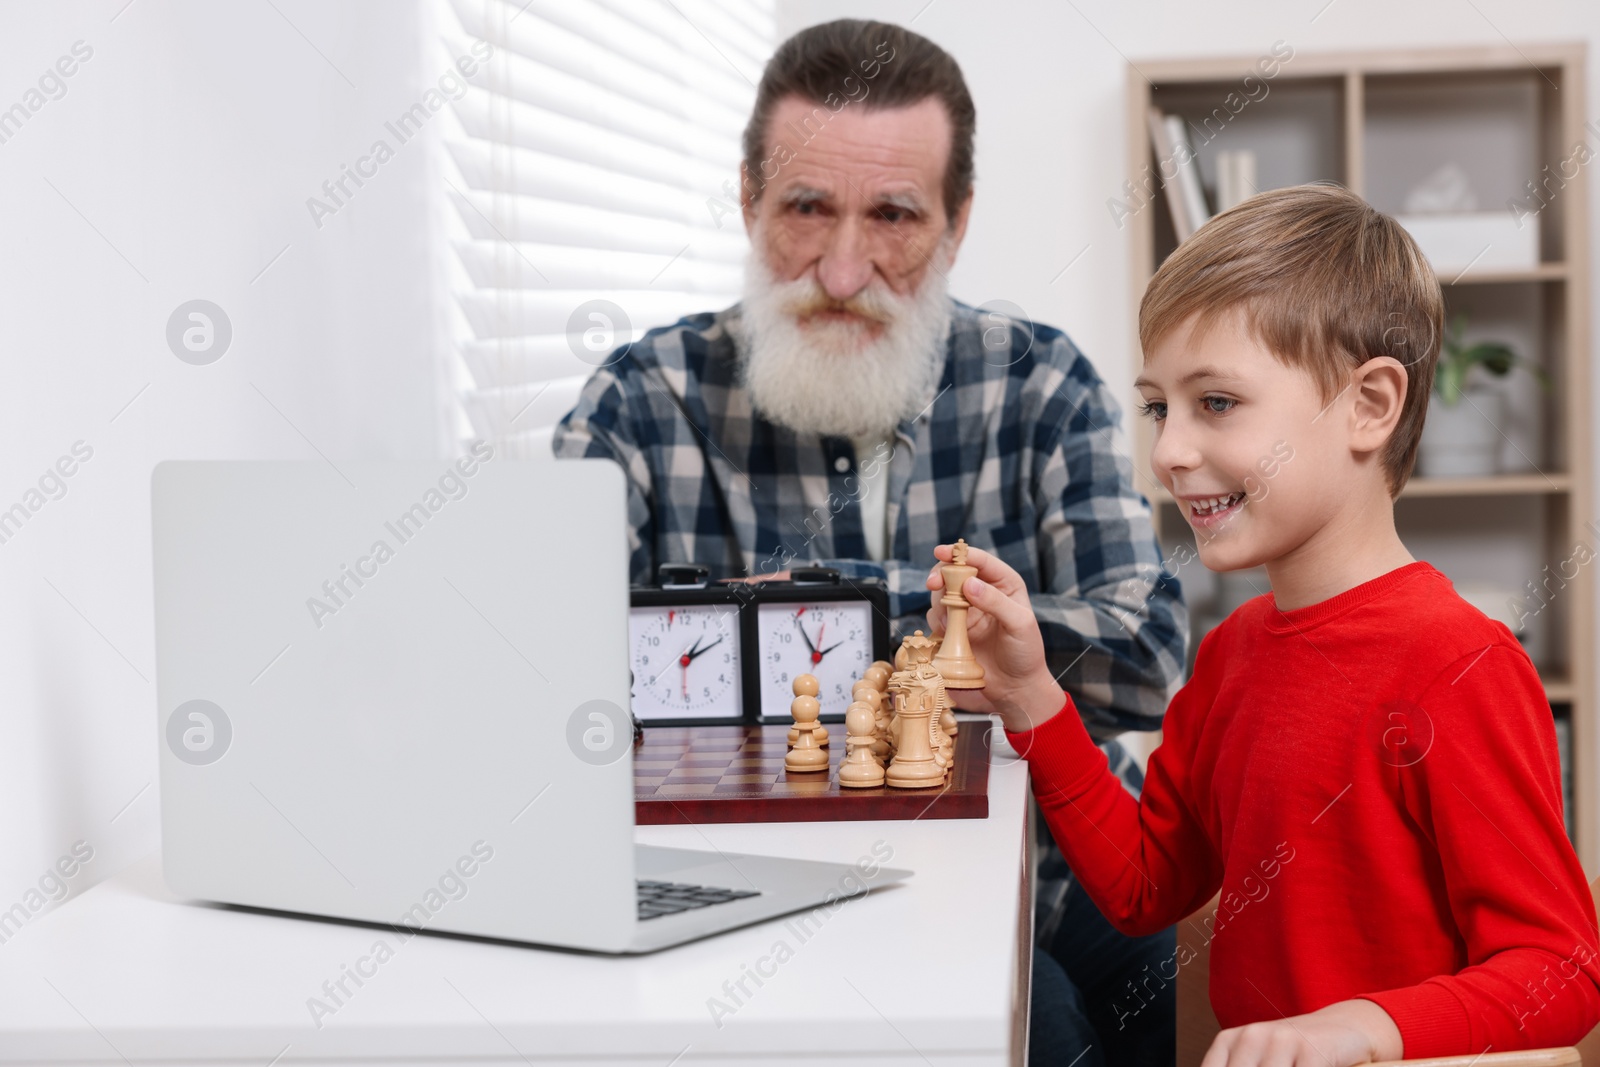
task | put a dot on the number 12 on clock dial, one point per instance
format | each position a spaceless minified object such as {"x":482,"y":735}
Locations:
{"x":831,"y":640}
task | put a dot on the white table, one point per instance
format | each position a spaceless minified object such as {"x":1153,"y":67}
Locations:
{"x":934,"y":971}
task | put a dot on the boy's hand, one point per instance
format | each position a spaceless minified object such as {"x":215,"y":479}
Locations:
{"x":1005,"y":639}
{"x":1342,"y":1034}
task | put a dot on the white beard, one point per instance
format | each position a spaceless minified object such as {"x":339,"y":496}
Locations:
{"x":834,"y":378}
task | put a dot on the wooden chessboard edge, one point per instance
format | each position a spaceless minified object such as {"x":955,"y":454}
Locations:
{"x":964,"y":796}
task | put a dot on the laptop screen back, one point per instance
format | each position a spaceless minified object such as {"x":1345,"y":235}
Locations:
{"x":398,"y":692}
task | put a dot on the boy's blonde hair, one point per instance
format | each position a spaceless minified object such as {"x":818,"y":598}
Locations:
{"x":1325,"y":282}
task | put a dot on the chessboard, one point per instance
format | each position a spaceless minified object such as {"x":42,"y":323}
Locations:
{"x":706,"y":774}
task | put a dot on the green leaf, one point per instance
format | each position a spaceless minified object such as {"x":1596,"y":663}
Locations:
{"x":1456,"y":361}
{"x":1496,"y":358}
{"x":1447,"y":382}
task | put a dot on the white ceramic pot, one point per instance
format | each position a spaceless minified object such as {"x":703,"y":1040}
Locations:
{"x":1463,"y":441}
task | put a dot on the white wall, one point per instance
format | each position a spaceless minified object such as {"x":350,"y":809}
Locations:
{"x":1049,"y":82}
{"x":1048,"y":79}
{"x":189,"y":143}
{"x":190,"y":140}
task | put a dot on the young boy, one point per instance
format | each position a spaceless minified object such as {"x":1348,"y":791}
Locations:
{"x":1363,"y":764}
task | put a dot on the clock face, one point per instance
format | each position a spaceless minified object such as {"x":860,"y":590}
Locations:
{"x":831,"y":640}
{"x":686,"y":662}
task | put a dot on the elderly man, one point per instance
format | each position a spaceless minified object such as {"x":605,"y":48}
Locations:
{"x":848,"y":411}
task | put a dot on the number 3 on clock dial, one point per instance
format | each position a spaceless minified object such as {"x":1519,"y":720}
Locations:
{"x":831,"y":640}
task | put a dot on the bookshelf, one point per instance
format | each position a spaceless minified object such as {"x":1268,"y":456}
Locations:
{"x":1378,"y":123}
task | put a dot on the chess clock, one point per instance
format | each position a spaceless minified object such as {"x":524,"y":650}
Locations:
{"x":817,"y":624}
{"x":705,"y":652}
{"x":686,"y":650}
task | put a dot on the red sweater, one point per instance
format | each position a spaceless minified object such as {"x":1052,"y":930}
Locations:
{"x":1372,"y":783}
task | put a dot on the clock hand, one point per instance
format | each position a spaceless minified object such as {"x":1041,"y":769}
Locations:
{"x":809,"y":646}
{"x":663,"y":670}
{"x":684,"y":661}
{"x":830,"y":648}
{"x":816,"y":657}
{"x":690,"y":657}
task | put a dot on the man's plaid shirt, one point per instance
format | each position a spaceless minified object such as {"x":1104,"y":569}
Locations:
{"x":1018,"y":452}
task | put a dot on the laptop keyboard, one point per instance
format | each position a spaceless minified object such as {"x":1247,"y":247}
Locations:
{"x":668,"y":898}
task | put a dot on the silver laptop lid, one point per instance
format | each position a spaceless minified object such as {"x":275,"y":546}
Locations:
{"x":397,"y":692}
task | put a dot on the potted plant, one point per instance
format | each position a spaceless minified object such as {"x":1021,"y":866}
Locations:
{"x":1462,"y":435}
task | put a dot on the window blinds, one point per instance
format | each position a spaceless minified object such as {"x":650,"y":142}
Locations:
{"x":590,"y":176}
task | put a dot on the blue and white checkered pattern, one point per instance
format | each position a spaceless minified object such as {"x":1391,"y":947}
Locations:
{"x":1020,"y":452}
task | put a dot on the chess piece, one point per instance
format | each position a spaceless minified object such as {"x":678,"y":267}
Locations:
{"x":917,"y":701}
{"x":902,"y":680}
{"x":821,"y":734}
{"x":883,"y":665}
{"x":806,"y":685}
{"x":867,"y":694}
{"x":944,"y":748}
{"x":947,"y":715}
{"x":894,"y":692}
{"x":878,"y":675}
{"x":955,"y":663}
{"x":806,"y":754}
{"x":904,"y":658}
{"x":859,"y":769}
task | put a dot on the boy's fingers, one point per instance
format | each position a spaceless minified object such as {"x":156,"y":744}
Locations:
{"x":1012,"y":617}
{"x":996,"y":571}
{"x":971,"y":700}
{"x":991,"y":568}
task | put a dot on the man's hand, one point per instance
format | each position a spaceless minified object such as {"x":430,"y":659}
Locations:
{"x":1005,"y":638}
{"x":1342,"y":1034}
{"x":775,"y":576}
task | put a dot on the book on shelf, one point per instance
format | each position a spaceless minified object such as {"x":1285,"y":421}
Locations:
{"x":1236,"y":177}
{"x":1186,"y":198}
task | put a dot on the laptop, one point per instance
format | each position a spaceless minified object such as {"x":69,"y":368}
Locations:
{"x":398,"y":693}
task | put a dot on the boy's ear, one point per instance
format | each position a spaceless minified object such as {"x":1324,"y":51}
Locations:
{"x":1379,"y":386}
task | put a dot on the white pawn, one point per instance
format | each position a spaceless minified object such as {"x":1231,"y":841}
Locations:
{"x":860,"y":770}
{"x":866,"y":694}
{"x":807,"y":754}
{"x":879,"y":703}
{"x":806,"y":685}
